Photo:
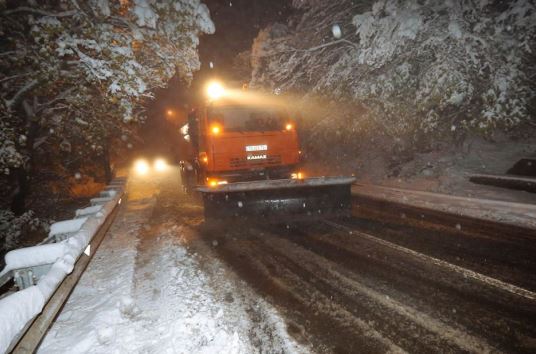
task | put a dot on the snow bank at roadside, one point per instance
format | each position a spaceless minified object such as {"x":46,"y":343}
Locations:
{"x":101,"y":304}
{"x":447,"y":171}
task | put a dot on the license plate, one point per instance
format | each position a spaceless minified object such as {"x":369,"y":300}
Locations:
{"x":250,"y":148}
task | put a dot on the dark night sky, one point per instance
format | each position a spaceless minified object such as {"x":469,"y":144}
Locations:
{"x":237,"y":24}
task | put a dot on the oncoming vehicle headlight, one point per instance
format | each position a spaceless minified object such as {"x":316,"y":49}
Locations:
{"x":160,"y":165}
{"x":141,"y":167}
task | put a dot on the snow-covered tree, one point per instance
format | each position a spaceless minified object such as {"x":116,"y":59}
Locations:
{"x":10,"y":157}
{"x":76,"y":76}
{"x":420,"y":70}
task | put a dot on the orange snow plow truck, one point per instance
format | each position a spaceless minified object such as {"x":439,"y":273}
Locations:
{"x":245,"y":159}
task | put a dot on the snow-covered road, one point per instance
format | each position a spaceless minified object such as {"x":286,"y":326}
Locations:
{"x":164,"y":281}
{"x":154,"y":287}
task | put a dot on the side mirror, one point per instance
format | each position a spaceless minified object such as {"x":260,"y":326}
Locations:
{"x":193,"y":130}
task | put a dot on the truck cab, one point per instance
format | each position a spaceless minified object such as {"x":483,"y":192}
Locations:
{"x":235,"y":141}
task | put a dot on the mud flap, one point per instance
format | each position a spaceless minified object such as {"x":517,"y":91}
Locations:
{"x":279,"y":200}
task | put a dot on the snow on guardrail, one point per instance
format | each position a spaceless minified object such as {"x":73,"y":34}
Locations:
{"x":80,"y":213}
{"x":57,"y":259}
{"x":66,"y":226}
{"x":34,"y":256}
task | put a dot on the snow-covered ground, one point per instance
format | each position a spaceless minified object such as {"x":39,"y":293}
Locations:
{"x":154,"y":287}
{"x":517,"y":214}
{"x":444,"y":171}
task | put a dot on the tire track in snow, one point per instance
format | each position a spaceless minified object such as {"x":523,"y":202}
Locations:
{"x":499,"y":284}
{"x":292,"y":284}
{"x":319,"y":265}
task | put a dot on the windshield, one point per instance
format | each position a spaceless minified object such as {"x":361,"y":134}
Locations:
{"x":248,"y":118}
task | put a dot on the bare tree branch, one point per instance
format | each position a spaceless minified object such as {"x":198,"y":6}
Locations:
{"x":321,"y":46}
{"x":14,"y":77}
{"x":39,"y":12}
{"x":23,"y":90}
{"x":342,"y":40}
{"x":59,"y":97}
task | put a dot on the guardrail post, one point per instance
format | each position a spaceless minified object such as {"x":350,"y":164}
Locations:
{"x":26,"y":277}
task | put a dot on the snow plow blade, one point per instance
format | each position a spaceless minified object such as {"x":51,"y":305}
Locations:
{"x":285,"y":199}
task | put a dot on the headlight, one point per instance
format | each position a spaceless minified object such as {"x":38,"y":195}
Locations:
{"x":141,"y":167}
{"x":160,"y":165}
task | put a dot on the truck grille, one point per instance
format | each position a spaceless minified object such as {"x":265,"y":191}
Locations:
{"x":244,"y":163}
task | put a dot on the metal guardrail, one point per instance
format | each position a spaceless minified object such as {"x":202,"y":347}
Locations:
{"x":29,"y":338}
{"x":510,"y":182}
{"x":34,"y":334}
